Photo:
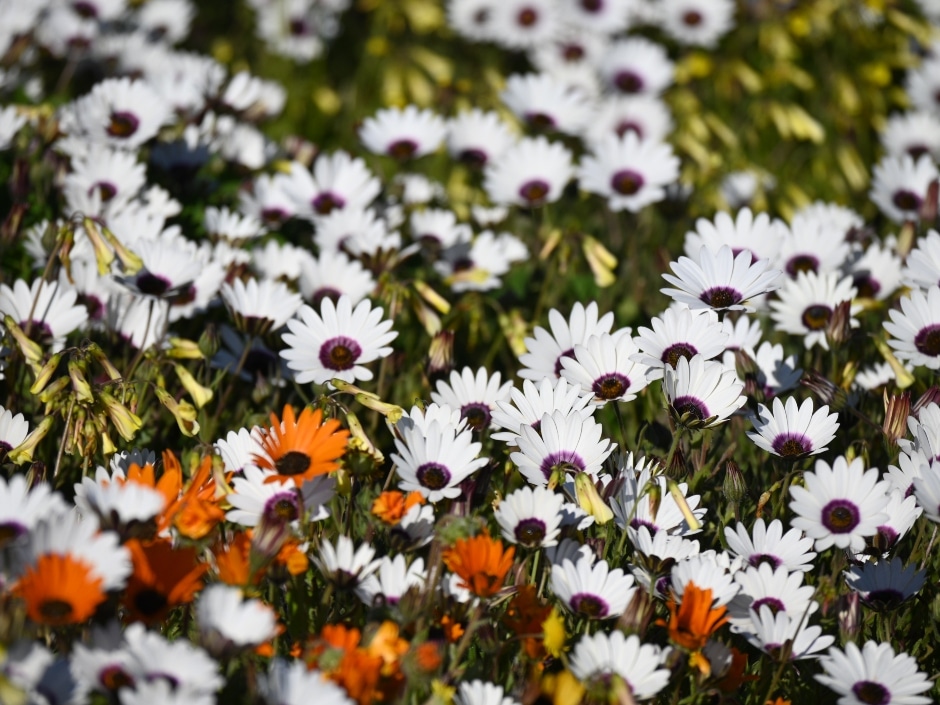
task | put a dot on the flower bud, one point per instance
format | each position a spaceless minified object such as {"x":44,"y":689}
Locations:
{"x":98,"y":354}
{"x":104,"y":255}
{"x":690,"y":518}
{"x":130,"y":262}
{"x":849,"y":617}
{"x":23,"y":453}
{"x":183,"y":412}
{"x":733,"y":486}
{"x":45,"y":374}
{"x":201,"y":395}
{"x":601,"y":262}
{"x":392,"y":411}
{"x":902,"y":378}
{"x":126,"y":422}
{"x":589,"y":500}
{"x":839,"y":327}
{"x":441,"y":354}
{"x":80,"y":386}
{"x":30,"y":349}
{"x":432,"y":297}
{"x":897,"y":409}
{"x":209,"y":342}
{"x":825,"y":390}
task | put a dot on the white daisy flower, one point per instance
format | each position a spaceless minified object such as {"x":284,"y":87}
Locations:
{"x":778,"y":588}
{"x":239,"y":448}
{"x":392,"y":580}
{"x":876,"y":272}
{"x":10,"y":123}
{"x":927,"y":491}
{"x":656,"y":553}
{"x":840,"y":505}
{"x":644,"y":500}
{"x":163,"y":691}
{"x":474,"y":19}
{"x":773,"y":632}
{"x":923,"y":85}
{"x":333,"y":274}
{"x":103,"y":180}
{"x":812,"y":244}
{"x":913,"y":133}
{"x":128,"y":508}
{"x":804,"y":305}
{"x":679,"y":333}
{"x":766,"y":543}
{"x":903,"y":512}
{"x":439,"y":228}
{"x":545,"y":350}
{"x":230,"y":623}
{"x":343,"y":564}
{"x":697,"y":22}
{"x":260,"y":306}
{"x":606,"y":367}
{"x":776,"y":371}
{"x":708,"y":570}
{"x":531,"y":517}
{"x":886,"y":584}
{"x":179,"y":662}
{"x":292,"y":683}
{"x":591,"y":590}
{"x":358,"y":232}
{"x":629,"y":172}
{"x":522,"y":24}
{"x":924,"y":427}
{"x":434,"y":461}
{"x":170,"y":268}
{"x":477,"y":692}
{"x":721,"y":281}
{"x":597,"y":16}
{"x":561,"y":445}
{"x":911,"y":465}
{"x":46,"y":311}
{"x":647,"y":117}
{"x":922,"y":267}
{"x":418,"y":417}
{"x":478,"y":264}
{"x":702,"y":392}
{"x":22,"y":506}
{"x":229,"y":225}
{"x":600,"y":656}
{"x":899,"y":186}
{"x":758,"y":234}
{"x":337,"y":342}
{"x":476,"y":395}
{"x":636,"y":66}
{"x":256,"y":500}
{"x":529,"y":174}
{"x":915,"y":329}
{"x":829,"y":217}
{"x":267,"y":199}
{"x":545,"y":104}
{"x":336,"y":181}
{"x":874,"y":674}
{"x":792,"y":431}
{"x":526,"y":407}
{"x":13,"y":431}
{"x":403,"y":134}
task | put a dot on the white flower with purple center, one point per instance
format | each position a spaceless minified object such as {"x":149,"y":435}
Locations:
{"x":927,"y":490}
{"x":337,"y":342}
{"x":922,"y":267}
{"x":899,"y":186}
{"x":477,"y":137}
{"x":598,"y":657}
{"x":545,"y":349}
{"x":255,"y":500}
{"x":792,"y":431}
{"x":777,"y":633}
{"x":720,"y":280}
{"x":778,"y":588}
{"x":435,"y":460}
{"x":766,"y":543}
{"x":476,"y":395}
{"x":679,"y":333}
{"x":605,"y":366}
{"x":884,"y":585}
{"x":344,"y":565}
{"x":403,"y":134}
{"x":915,"y":329}
{"x":392,"y":580}
{"x":531,"y":517}
{"x":702,"y":393}
{"x":874,"y":675}
{"x":758,"y":234}
{"x":840,"y":505}
{"x":637,"y":66}
{"x":529,"y":174}
{"x":563,"y":445}
{"x":643,"y":499}
{"x":525,"y":407}
{"x":592,"y":590}
{"x":708,"y":570}
{"x":805,"y":305}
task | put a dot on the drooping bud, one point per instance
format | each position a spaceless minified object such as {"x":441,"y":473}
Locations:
{"x":601,"y":262}
{"x":826,"y":391}
{"x":432,"y":297}
{"x":23,"y":453}
{"x":590,"y":500}
{"x":80,"y":385}
{"x":45,"y":374}
{"x":201,"y":395}
{"x":391,"y":411}
{"x":104,"y":255}
{"x":98,"y":354}
{"x":130,"y":262}
{"x":441,"y":354}
{"x":183,"y":412}
{"x":902,"y":377}
{"x":690,"y":518}
{"x":31,"y":350}
{"x":126,"y":422}
{"x":183,"y":349}
{"x":358,"y":440}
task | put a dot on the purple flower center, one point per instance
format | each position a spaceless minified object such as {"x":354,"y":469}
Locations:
{"x":530,"y":532}
{"x":628,"y":81}
{"x":477,"y":415}
{"x":327,"y":202}
{"x":906,"y":200}
{"x":534,"y":191}
{"x":123,"y":124}
{"x":625,"y":126}
{"x":816,"y":317}
{"x":610,"y":386}
{"x":802,"y":263}
{"x":474,"y":158}
{"x":152,"y":285}
{"x":840,"y":516}
{"x":627,"y":182}
{"x":590,"y":606}
{"x":871,"y":693}
{"x":434,"y":476}
{"x":721,"y":297}
{"x":885,"y":599}
{"x":9,"y":531}
{"x":325,"y":292}
{"x":559,"y":366}
{"x":339,"y":353}
{"x":85,"y":10}
{"x":692,"y":18}
{"x":563,"y":460}
{"x":927,"y":340}
{"x":773,"y":603}
{"x":402,"y":149}
{"x":867,"y":286}
{"x":691,"y":406}
{"x":260,"y":362}
{"x":676,"y":351}
{"x":299,"y":27}
{"x":791,"y":444}
{"x":572,"y":52}
{"x":282,"y":508}
{"x":540,"y":121}
{"x":592,"y":5}
{"x":106,"y":190}
{"x":759,"y":558}
{"x":527,"y":17}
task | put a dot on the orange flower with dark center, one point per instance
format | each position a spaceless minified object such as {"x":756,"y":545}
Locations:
{"x":163,"y":578}
{"x":481,"y":563}
{"x":391,"y":506}
{"x":302,"y":448}
{"x":60,"y":590}
{"x":692,"y":622}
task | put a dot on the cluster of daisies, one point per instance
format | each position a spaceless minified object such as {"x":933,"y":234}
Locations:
{"x":355,"y":546}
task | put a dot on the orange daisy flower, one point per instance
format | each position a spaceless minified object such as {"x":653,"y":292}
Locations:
{"x":60,"y":590}
{"x":695,"y":620}
{"x":163,"y":578}
{"x":481,"y":563}
{"x":196,"y":513}
{"x":391,"y":506}
{"x":234,"y":562}
{"x":302,"y":448}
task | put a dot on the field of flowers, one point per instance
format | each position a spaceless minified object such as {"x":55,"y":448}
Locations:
{"x":471,"y":352}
